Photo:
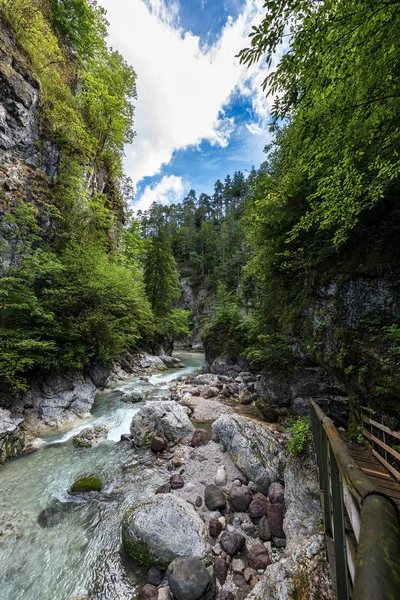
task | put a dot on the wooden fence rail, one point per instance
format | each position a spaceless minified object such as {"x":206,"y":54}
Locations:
{"x":380,"y":447}
{"x":360,"y":522}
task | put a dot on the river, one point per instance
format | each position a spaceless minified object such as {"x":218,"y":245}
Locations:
{"x":54,"y":547}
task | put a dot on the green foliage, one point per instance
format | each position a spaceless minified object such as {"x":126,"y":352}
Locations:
{"x":300,"y":437}
{"x":174,"y":325}
{"x":80,"y":24}
{"x":65,"y":310}
{"x":272,"y":352}
{"x":354,"y":433}
{"x":78,"y":294}
{"x":342,"y":142}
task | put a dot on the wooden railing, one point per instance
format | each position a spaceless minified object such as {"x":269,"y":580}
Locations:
{"x":380,"y":436}
{"x":360,"y":523}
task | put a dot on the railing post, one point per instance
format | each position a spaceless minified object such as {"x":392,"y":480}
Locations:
{"x":325,"y":481}
{"x":339,"y":536}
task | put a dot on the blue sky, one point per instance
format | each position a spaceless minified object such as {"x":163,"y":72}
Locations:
{"x":199,"y":114}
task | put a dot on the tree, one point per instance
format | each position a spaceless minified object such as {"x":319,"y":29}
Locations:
{"x":337,"y":87}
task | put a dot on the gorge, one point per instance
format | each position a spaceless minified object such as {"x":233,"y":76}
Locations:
{"x":158,"y":358}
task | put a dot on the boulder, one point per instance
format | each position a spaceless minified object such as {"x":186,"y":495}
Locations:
{"x":155,"y":576}
{"x":214,"y":497}
{"x":91,"y":436}
{"x":206,"y":379}
{"x":220,"y":569}
{"x":201,"y":437}
{"x":189,"y":580}
{"x":253,"y":448}
{"x":168,"y":419}
{"x":182,"y":532}
{"x":56,"y":512}
{"x":275,"y":515}
{"x":158,"y":443}
{"x":163,"y":594}
{"x":176,"y":481}
{"x":240,"y":497}
{"x":258,"y":506}
{"x":132,"y":396}
{"x":164,"y":488}
{"x":232,"y":542}
{"x":148,"y":592}
{"x":258,"y":557}
{"x":214,"y":527}
{"x":172,"y":362}
{"x":89,"y":483}
{"x":276,"y":493}
{"x":158,"y":395}
{"x":264,"y":530}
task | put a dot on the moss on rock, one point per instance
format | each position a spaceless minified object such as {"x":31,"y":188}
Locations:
{"x":87,"y":484}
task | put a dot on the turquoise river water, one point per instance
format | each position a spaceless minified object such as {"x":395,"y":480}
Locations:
{"x":55,"y":547}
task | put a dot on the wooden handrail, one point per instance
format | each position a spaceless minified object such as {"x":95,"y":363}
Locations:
{"x":368,"y":569}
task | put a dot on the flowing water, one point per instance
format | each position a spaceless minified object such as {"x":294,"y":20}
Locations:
{"x":57,"y":547}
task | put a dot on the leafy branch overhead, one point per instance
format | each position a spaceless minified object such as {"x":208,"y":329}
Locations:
{"x":337,"y":89}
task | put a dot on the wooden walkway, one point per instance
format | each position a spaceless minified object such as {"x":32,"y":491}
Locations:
{"x":380,"y":476}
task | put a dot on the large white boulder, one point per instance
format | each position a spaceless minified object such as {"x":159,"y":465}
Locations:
{"x":253,"y":448}
{"x":163,"y":528}
{"x":163,"y":418}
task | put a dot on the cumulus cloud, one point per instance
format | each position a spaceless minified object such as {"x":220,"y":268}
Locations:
{"x":167,"y":191}
{"x":183,"y":86}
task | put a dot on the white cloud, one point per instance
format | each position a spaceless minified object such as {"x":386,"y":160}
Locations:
{"x":255,"y":128}
{"x":167,"y":191}
{"x":182,"y":86}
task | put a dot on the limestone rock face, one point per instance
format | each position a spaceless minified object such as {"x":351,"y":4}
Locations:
{"x":11,"y":436}
{"x":160,"y":418}
{"x":163,"y":528}
{"x":253,"y":448}
{"x":59,"y":398}
{"x":302,"y":500}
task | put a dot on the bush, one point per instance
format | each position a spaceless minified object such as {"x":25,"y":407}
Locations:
{"x":301,"y":436}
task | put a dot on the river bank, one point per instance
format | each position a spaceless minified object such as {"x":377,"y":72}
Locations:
{"x":214,"y":472}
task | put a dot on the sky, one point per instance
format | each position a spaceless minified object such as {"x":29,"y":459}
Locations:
{"x":199,"y":115}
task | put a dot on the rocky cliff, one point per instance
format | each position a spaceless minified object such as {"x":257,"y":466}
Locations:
{"x":345,"y":350}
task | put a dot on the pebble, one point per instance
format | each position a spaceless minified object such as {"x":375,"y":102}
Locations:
{"x":249,"y":573}
{"x":237,"y":482}
{"x":220,"y":478}
{"x":230,"y":528}
{"x":217,"y":550}
{"x":215,"y":514}
{"x":199,"y":501}
{"x":220,"y":569}
{"x":238,"y":565}
{"x":222,"y":520}
{"x":176,"y":482}
{"x":155,"y":576}
{"x":189,"y":487}
{"x":237,"y":521}
{"x":279,"y":542}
